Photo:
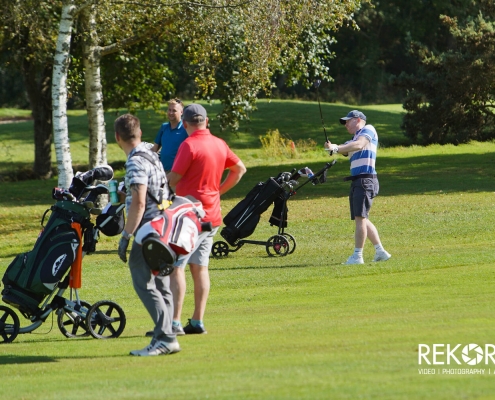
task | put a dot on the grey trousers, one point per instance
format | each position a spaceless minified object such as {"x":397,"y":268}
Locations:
{"x":154,"y":292}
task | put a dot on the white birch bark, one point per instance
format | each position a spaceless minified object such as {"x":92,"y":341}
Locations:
{"x":94,"y":94}
{"x":59,"y":96}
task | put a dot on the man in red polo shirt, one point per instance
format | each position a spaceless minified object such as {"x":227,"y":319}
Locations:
{"x":197,"y":171}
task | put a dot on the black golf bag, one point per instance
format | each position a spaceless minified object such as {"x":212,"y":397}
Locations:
{"x":242,"y":220}
{"x":33,"y":275}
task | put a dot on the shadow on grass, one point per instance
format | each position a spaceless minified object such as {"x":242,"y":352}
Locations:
{"x":11,"y":359}
{"x":254,"y":267}
{"x":398,"y":176}
{"x":296,"y":119}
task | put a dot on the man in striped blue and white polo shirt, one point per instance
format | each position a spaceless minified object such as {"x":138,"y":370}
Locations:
{"x":362,"y":150}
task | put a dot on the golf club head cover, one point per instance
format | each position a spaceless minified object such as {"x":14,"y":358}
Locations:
{"x":102,"y":173}
{"x":306,"y":172}
{"x":95,"y":191}
{"x":77,"y":187}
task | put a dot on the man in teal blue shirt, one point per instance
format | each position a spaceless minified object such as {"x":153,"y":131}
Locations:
{"x":171,"y":135}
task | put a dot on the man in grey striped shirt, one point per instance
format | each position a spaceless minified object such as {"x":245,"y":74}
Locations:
{"x":145,"y":181}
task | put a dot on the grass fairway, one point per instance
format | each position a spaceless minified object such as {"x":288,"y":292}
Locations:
{"x":301,"y":326}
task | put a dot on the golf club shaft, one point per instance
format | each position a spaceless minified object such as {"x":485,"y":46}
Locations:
{"x":321,"y":114}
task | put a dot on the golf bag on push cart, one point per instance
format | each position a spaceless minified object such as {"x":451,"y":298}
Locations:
{"x":35,"y":281}
{"x":242,"y":220}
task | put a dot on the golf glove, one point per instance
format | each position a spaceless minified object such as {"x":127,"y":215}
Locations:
{"x":332,"y":149}
{"x":123,"y":245}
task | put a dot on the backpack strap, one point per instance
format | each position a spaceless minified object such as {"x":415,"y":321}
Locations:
{"x":162,"y":204}
{"x":145,"y":155}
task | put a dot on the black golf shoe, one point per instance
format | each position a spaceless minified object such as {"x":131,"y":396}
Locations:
{"x":189,"y":329}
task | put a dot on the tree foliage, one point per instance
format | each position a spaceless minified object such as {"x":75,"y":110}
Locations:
{"x":144,"y":78}
{"x":451,"y":98}
{"x":28,"y":37}
{"x":230,"y":49}
{"x":369,"y":58}
{"x":234,"y":52}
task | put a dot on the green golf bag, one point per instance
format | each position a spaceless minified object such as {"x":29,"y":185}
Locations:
{"x":35,"y":274}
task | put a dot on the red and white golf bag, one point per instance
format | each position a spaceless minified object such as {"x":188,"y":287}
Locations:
{"x":172,"y":234}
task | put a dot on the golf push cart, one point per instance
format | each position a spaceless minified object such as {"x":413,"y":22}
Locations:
{"x":35,"y":281}
{"x":242,"y":220}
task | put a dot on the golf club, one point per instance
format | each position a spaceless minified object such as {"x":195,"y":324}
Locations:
{"x":317,"y":85}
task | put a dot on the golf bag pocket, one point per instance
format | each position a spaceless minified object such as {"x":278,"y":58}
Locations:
{"x":12,"y":294}
{"x":171,"y":234}
{"x":111,"y":221}
{"x":40,"y":271}
{"x":31,"y":276}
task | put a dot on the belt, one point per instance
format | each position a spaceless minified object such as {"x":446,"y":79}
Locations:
{"x":360,"y":176}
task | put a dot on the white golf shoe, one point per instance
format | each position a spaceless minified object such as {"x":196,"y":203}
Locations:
{"x":382,"y":256}
{"x":157,"y":348}
{"x":354,"y":260}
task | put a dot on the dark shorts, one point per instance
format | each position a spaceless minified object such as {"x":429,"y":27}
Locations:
{"x":361,"y":196}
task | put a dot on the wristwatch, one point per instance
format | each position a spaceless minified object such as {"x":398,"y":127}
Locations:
{"x":126,"y":235}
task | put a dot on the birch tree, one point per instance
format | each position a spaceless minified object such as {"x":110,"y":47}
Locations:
{"x":59,"y":95}
{"x":92,"y":53}
{"x":110,"y":34}
{"x":94,"y":97}
{"x":93,"y":90}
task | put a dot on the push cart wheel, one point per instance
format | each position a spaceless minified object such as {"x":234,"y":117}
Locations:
{"x":220,"y":249}
{"x":9,"y":325}
{"x":72,"y":324}
{"x":292,"y":242}
{"x":105,"y":320}
{"x":277,"y":245}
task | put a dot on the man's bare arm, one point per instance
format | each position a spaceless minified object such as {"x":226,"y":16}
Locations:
{"x":137,"y":208}
{"x":355,"y":145}
{"x":233,"y":177}
{"x":173,"y":178}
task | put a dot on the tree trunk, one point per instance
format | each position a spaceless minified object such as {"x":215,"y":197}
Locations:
{"x":59,"y":96}
{"x":93,"y":89}
{"x":38,"y":86}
